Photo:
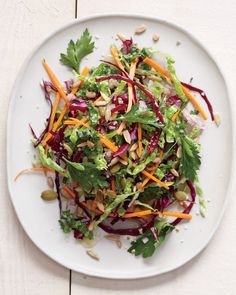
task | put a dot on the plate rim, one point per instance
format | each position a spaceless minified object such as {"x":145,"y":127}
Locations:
{"x":232,"y":120}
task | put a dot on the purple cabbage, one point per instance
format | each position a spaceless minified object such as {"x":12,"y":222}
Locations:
{"x":78,"y":104}
{"x":120,"y":109}
{"x":115,"y":99}
{"x":162,"y":203}
{"x":123,"y":148}
{"x":68,"y":84}
{"x":203,"y":95}
{"x":127,"y":45}
{"x":154,"y":142}
{"x":174,"y":99}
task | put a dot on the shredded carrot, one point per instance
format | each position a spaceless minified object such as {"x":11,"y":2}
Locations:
{"x":54,"y":109}
{"x":174,"y":117}
{"x":115,"y":54}
{"x":194,"y":102}
{"x":69,"y":191}
{"x":96,"y":210}
{"x":150,"y":176}
{"x":159,"y":69}
{"x":148,"y":212}
{"x":74,"y":121}
{"x":56,"y":125}
{"x":109,"y":144}
{"x":29,"y":170}
{"x":98,"y":99}
{"x":130,"y":87}
{"x":55,"y":81}
{"x":84,"y":73}
{"x":113,"y":185}
{"x":95,"y":201}
{"x":140,"y":146}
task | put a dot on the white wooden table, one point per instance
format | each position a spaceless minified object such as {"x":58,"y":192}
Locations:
{"x":24,"y":270}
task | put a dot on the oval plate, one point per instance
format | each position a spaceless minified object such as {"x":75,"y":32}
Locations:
{"x":40,"y":219}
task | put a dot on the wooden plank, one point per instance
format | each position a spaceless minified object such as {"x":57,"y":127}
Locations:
{"x":213,"y":271}
{"x":23,"y":268}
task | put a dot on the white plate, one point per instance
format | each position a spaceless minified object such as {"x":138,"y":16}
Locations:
{"x":40,"y":219}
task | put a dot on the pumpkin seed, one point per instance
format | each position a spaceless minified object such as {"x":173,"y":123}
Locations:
{"x":115,"y":168}
{"x":48,"y":195}
{"x":123,"y":183}
{"x":181,"y":196}
{"x":113,"y":161}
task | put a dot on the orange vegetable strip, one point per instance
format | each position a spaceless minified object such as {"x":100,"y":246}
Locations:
{"x":159,"y":69}
{"x":54,"y":109}
{"x":84,"y":73}
{"x":29,"y":170}
{"x":74,"y":121}
{"x":96,"y":210}
{"x":95,"y":201}
{"x":174,"y":117}
{"x":130,"y":88}
{"x":140,"y":146}
{"x":150,"y":176}
{"x":113,"y":185}
{"x":115,"y":54}
{"x":55,"y":81}
{"x":121,"y":127}
{"x":98,"y":99}
{"x":56,"y":125}
{"x":108,"y":144}
{"x":166,"y":213}
{"x":194,"y":102}
{"x":154,"y":169}
{"x":69,"y":191}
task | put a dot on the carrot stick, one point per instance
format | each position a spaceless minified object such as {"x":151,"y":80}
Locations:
{"x":54,"y":109}
{"x":55,"y":81}
{"x":109,"y":144}
{"x":174,"y":117}
{"x":159,"y":69}
{"x":150,"y":176}
{"x":149,"y":212}
{"x":84,"y":73}
{"x":115,"y":54}
{"x":98,"y":99}
{"x":121,"y":127}
{"x":69,"y":191}
{"x":130,"y":87}
{"x":74,"y":121}
{"x":56,"y":125}
{"x":96,"y":210}
{"x":29,"y":170}
{"x":140,"y":146}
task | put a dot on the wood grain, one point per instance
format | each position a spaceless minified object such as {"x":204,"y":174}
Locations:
{"x":24,"y":270}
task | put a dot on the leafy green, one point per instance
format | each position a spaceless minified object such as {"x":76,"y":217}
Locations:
{"x":118,"y":200}
{"x":128,"y":185}
{"x":93,"y":114}
{"x":137,"y":116}
{"x":69,"y":223}
{"x":76,"y":51}
{"x":147,"y":244}
{"x":142,"y":166}
{"x":90,"y":178}
{"x":103,"y":70}
{"x":100,"y":162}
{"x":121,"y":86}
{"x":177,"y":84}
{"x":75,"y":165}
{"x":48,"y":162}
{"x":190,"y":160}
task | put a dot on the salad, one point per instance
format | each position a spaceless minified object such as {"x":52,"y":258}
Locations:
{"x":122,"y":144}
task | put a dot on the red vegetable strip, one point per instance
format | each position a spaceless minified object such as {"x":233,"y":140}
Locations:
{"x":69,"y":191}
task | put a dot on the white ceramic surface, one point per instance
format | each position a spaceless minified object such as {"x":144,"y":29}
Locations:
{"x":39,"y":219}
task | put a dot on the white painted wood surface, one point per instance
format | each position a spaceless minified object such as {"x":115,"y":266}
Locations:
{"x":24,"y":270}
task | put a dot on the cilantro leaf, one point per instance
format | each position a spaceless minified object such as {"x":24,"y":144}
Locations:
{"x":190,"y":160}
{"x":76,"y":51}
{"x":89,"y":178}
{"x":69,"y":223}
{"x":147,"y":244}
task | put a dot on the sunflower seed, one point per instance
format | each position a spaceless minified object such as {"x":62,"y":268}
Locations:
{"x":107,"y":114}
{"x":133,"y":147}
{"x":126,"y":135}
{"x":65,"y":194}
{"x":123,"y":162}
{"x":133,"y":155}
{"x":217,"y":119}
{"x":100,"y":103}
{"x":90,"y":94}
{"x":111,"y":193}
{"x":157,"y":160}
{"x":92,"y":254}
{"x":112,"y":237}
{"x":112,"y":83}
{"x":155,"y":38}
{"x":100,"y":206}
{"x":113,"y":162}
{"x":140,"y":29}
{"x":82,"y":144}
{"x":181,"y":196}
{"x":121,"y":36}
{"x":90,"y":144}
{"x":174,"y":172}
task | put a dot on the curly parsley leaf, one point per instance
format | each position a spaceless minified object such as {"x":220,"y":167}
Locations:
{"x":190,"y":160}
{"x":147,"y":244}
{"x":69,"y":223}
{"x":76,"y":51}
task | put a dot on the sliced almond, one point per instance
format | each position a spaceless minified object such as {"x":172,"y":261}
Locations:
{"x":112,"y":237}
{"x":92,"y":254}
{"x":133,"y":147}
{"x":126,"y":135}
{"x":113,"y":162}
{"x":174,"y":172}
{"x":121,"y":36}
{"x":91,"y":94}
{"x":133,"y":155}
{"x":68,"y":148}
{"x":157,"y":160}
{"x":107,"y":114}
{"x":155,"y":37}
{"x":90,"y":144}
{"x":217,"y":119}
{"x":112,"y":83}
{"x":140,"y":29}
{"x":119,"y":244}
{"x":82,"y":144}
{"x":122,"y":161}
{"x":100,"y":103}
